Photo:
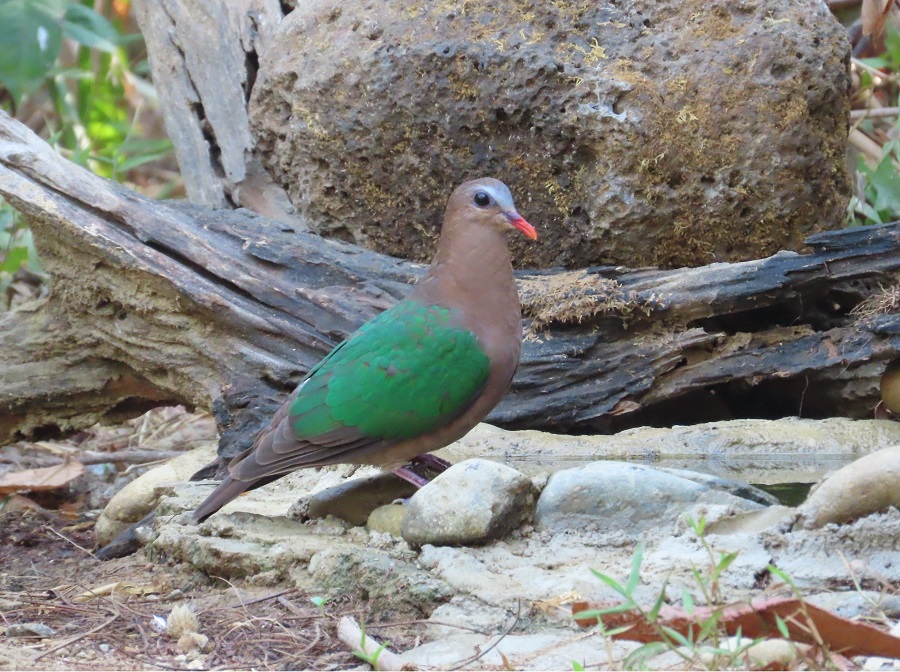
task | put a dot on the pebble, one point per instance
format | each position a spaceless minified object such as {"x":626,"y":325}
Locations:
{"x":29,"y":630}
{"x":729,"y":485}
{"x":387,"y":519}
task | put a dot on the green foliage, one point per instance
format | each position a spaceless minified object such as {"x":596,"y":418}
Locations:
{"x":89,"y":95}
{"x":882,"y":187}
{"x":890,"y":60}
{"x":32,"y":32}
{"x":703,"y":646}
{"x":67,"y":69}
{"x":370,"y":658}
{"x":320,"y":602}
{"x":16,"y":247}
{"x":879,"y":202}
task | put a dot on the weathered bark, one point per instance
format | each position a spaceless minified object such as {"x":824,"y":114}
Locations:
{"x":203,"y":61}
{"x":160,"y":302}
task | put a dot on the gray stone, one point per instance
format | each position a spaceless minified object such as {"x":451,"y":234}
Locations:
{"x":465,"y":613}
{"x":387,"y":518}
{"x":548,"y":649}
{"x":729,"y":485}
{"x":637,"y":133}
{"x":470,"y":503}
{"x":622,"y":496}
{"x":29,"y":630}
{"x":355,"y":499}
{"x":396,"y":586}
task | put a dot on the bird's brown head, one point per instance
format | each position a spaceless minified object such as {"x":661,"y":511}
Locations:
{"x":487,"y":202}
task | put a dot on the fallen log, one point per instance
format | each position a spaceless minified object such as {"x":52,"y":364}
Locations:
{"x":163,"y":303}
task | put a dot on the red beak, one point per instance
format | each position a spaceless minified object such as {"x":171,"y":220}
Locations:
{"x":519,"y":222}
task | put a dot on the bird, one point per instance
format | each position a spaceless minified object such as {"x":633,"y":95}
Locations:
{"x":418,"y":376}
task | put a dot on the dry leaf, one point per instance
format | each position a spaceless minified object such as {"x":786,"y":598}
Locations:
{"x":873,"y":14}
{"x":758,"y":619}
{"x":47,"y":478}
{"x":56,"y":448}
{"x":119,"y":588}
{"x":18,"y":503}
{"x":552,"y":604}
{"x":625,"y":406}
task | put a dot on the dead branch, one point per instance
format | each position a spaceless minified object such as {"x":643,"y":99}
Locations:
{"x":156,"y":303}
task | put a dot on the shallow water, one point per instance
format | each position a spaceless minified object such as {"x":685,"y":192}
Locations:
{"x":796,"y":472}
{"x":789,"y":494}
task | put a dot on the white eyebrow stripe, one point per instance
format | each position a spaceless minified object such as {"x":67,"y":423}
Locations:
{"x":504,"y":200}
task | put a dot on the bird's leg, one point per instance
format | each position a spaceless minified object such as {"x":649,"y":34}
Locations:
{"x":410,"y":476}
{"x":424,"y":461}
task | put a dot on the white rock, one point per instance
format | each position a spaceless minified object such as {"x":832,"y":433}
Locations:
{"x":868,"y":485}
{"x":136,"y":499}
{"x":470,"y":503}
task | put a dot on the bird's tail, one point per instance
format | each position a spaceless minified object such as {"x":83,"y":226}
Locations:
{"x":227,"y":490}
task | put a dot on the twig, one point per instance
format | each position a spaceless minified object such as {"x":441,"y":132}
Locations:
{"x":481,"y":654}
{"x":294,"y":609}
{"x":51,"y":605}
{"x":350,"y":634}
{"x":862,"y":142}
{"x":80,"y":548}
{"x":78,"y":638}
{"x":426,"y":621}
{"x":312,"y":644}
{"x":875,"y":72}
{"x":236,"y":592}
{"x":875,"y":112}
{"x":118,"y":457}
{"x":262,"y":599}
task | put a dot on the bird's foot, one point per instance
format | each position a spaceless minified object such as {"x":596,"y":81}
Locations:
{"x":425,"y":462}
{"x":433,"y":462}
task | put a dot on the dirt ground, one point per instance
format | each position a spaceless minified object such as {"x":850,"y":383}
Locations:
{"x":113,"y":615}
{"x":48,"y":575}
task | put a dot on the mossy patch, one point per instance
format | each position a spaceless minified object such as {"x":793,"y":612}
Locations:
{"x":570,"y":298}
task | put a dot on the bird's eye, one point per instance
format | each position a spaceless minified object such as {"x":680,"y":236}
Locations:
{"x":482,"y":200}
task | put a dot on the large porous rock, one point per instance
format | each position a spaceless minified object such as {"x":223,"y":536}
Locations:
{"x":642,"y":132}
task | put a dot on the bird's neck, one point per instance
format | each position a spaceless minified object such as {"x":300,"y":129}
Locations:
{"x":472,"y":270}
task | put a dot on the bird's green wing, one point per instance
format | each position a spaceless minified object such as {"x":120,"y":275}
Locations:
{"x":403,"y":374}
